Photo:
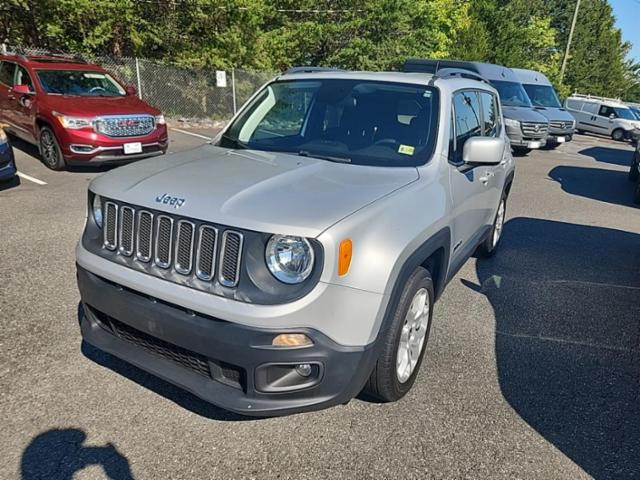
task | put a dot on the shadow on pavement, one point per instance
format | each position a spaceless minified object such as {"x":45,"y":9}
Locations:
{"x":610,"y":186}
{"x":9,"y":184}
{"x":567,"y":308}
{"x":59,"y":454}
{"x":610,"y":155}
{"x":161,"y":387}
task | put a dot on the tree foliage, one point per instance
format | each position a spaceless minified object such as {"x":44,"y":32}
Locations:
{"x":355,"y":34}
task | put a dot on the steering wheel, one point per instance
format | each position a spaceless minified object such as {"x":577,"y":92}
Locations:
{"x":95,"y":89}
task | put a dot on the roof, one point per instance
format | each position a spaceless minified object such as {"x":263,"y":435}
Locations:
{"x":609,"y":102}
{"x":531,"y":77}
{"x":55,"y":62}
{"x":414,"y":78}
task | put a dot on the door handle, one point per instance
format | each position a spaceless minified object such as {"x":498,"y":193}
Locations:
{"x":485,"y":178}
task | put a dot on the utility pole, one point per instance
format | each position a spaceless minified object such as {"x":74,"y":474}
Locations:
{"x":566,"y":52}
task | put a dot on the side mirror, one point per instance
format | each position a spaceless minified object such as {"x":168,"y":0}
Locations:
{"x":131,"y":90}
{"x":612,"y":116}
{"x":22,"y":90}
{"x":483,"y":150}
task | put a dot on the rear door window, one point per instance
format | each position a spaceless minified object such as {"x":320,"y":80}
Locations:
{"x":7,"y":71}
{"x":467,"y":115}
{"x":590,"y":107}
{"x":490,"y":114}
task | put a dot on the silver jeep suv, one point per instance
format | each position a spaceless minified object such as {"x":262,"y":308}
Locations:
{"x":295,"y":262}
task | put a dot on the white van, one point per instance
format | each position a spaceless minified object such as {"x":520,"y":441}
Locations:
{"x":606,"y":116}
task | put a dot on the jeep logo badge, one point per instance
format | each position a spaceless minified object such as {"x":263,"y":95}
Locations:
{"x":166,"y":199}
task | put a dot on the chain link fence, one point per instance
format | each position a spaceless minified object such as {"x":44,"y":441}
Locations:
{"x":185,"y":94}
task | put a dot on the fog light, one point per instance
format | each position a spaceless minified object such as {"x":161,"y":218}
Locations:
{"x":304,"y":369}
{"x":291,"y":340}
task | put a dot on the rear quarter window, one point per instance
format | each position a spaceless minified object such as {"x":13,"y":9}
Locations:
{"x":7,"y":70}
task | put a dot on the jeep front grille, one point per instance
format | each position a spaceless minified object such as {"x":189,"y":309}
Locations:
{"x":534,"y":130}
{"x":163,"y":243}
{"x":125,"y":126}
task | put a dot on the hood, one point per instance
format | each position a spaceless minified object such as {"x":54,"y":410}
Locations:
{"x":95,"y":106}
{"x":555,"y":114}
{"x":523,"y":114}
{"x":261,"y":191}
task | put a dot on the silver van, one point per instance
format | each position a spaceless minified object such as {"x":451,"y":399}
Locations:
{"x":606,"y":116}
{"x":545,"y":100}
{"x":526,"y":128}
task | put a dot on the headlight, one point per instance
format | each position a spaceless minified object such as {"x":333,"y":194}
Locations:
{"x":160,"y":120}
{"x":74,"y":123}
{"x":3,"y":137}
{"x":290,"y":259}
{"x":509,"y":122}
{"x":97,"y":210}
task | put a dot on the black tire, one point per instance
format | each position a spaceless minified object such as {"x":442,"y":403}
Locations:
{"x":618,"y":135}
{"x":521,"y":151}
{"x":489,"y":247}
{"x":50,"y":151}
{"x":384,"y":384}
{"x":633,"y":171}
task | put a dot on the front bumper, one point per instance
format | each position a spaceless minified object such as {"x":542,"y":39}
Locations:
{"x":221,"y":362}
{"x":83,"y":146}
{"x":518,"y":139}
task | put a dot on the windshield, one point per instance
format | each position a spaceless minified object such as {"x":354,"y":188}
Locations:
{"x":511,"y":93}
{"x":77,"y":82}
{"x":625,"y":113}
{"x":542,"y":95}
{"x":352,"y":121}
{"x":636,"y":112}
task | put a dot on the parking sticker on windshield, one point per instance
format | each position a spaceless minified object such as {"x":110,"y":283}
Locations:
{"x":406,"y":149}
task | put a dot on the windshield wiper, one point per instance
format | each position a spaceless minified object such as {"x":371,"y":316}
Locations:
{"x":305,"y":153}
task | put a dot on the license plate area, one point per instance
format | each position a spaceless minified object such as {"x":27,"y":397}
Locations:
{"x":533,"y":145}
{"x":130,"y":148}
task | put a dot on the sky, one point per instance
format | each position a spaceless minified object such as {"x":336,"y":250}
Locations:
{"x":626,"y":12}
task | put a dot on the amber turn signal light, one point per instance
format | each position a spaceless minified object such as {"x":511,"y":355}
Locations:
{"x":291,"y":340}
{"x":344,"y":257}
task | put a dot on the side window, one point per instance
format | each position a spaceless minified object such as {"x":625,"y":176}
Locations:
{"x":23,"y":78}
{"x":590,"y":107}
{"x":607,"y":111}
{"x":467,"y":119}
{"x":574,"y":104}
{"x":7,"y":70}
{"x":490,"y":114}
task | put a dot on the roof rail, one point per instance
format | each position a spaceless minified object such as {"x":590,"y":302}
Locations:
{"x":596,"y":97}
{"x":460,"y":72}
{"x":312,"y":70}
{"x":443,"y":68}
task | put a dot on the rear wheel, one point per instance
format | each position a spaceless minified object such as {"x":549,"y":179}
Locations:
{"x":618,"y":134}
{"x":404,"y":341}
{"x":50,"y":150}
{"x":490,"y":245}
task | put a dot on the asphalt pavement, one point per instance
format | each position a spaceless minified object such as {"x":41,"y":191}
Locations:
{"x":532,"y":369}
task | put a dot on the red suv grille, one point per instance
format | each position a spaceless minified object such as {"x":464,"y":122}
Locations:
{"x":126,"y":125}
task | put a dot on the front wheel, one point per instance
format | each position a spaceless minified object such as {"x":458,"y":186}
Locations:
{"x":521,"y":151}
{"x":490,"y":245}
{"x":50,"y":150}
{"x":404,"y":340}
{"x":617,"y":135}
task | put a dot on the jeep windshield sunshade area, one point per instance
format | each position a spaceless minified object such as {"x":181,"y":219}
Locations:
{"x":511,"y":94}
{"x":352,"y":121}
{"x":83,"y":83}
{"x":542,"y":96}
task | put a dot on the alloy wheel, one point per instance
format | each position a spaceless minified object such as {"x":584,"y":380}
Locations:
{"x":413,"y":334}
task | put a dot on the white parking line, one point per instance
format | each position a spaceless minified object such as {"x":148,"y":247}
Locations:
{"x":192,"y":134}
{"x":31,"y":179}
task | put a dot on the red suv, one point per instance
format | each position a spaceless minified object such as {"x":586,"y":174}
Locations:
{"x":76,"y":113}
